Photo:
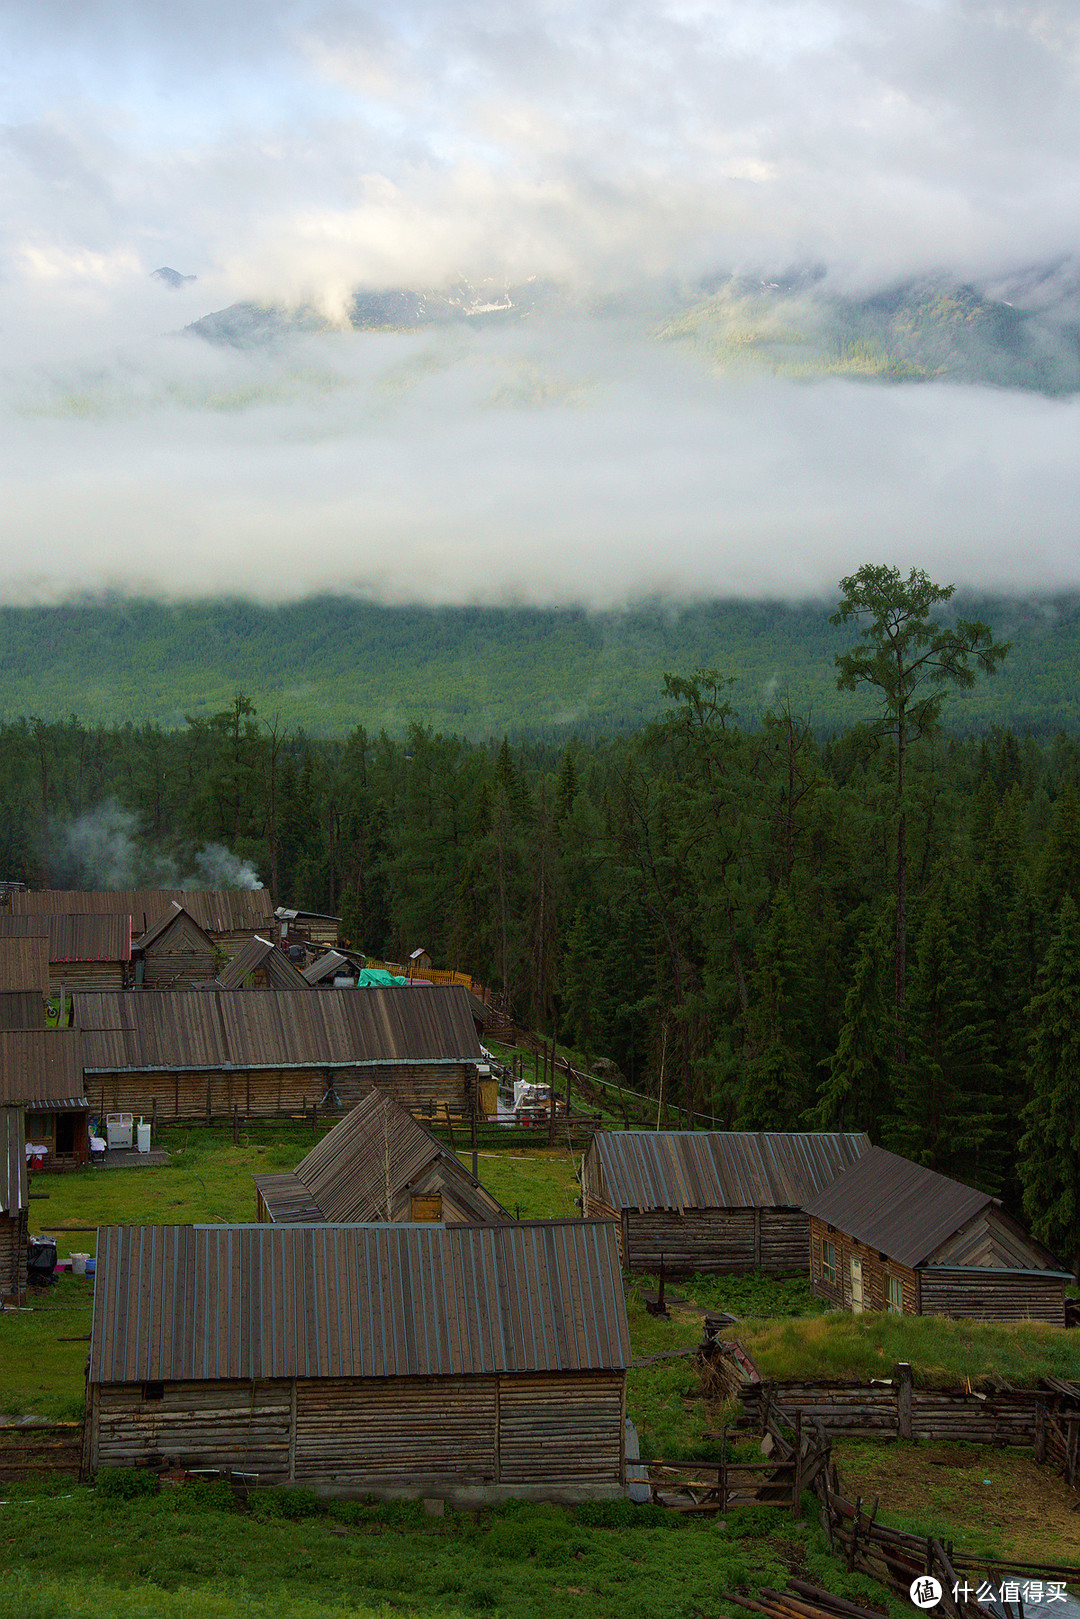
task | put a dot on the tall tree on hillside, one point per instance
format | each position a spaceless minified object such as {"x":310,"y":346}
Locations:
{"x":1050,"y":1146}
{"x":910,"y":660}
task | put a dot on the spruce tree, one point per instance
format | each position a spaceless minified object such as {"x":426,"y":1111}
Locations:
{"x":1050,"y":1146}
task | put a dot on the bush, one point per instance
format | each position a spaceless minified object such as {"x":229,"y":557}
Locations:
{"x":622,"y":1515}
{"x":126,"y":1483}
{"x":211,"y":1495}
{"x":290,"y":1504}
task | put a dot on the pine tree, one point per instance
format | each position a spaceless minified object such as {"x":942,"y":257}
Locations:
{"x":1050,"y":1146}
{"x":856,"y":1092}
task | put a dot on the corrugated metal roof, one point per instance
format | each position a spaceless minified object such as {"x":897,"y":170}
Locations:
{"x":41,"y":1068}
{"x":12,"y":1161}
{"x":22,"y":1009}
{"x":216,"y":910}
{"x":200,"y":1029}
{"x":902,"y":1209}
{"x":24,"y":962}
{"x":77,"y":935}
{"x":200,"y":1302}
{"x":325,"y":967}
{"x":256,"y":953}
{"x":374,"y":1153}
{"x":721,"y":1169}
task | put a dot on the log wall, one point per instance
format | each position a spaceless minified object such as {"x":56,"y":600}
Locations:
{"x":13,"y":1231}
{"x":555,"y":1437}
{"x":877,"y":1271}
{"x":775,"y":1240}
{"x":993,"y":1295}
{"x":87,"y":975}
{"x":877,"y":1410}
{"x":275,"y":1092}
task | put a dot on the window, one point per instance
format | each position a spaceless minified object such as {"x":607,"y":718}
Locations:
{"x":153,"y":1391}
{"x":896,"y":1295}
{"x":828,"y":1263}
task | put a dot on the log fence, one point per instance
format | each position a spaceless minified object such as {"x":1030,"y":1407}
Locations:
{"x":39,"y":1450}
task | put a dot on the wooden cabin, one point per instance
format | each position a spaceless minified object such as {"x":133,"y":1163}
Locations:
{"x":889,"y":1234}
{"x":471,"y":1363}
{"x":24,"y":980}
{"x":176,"y":953}
{"x":721,"y":1200}
{"x":203,"y":1054}
{"x":86,"y":949}
{"x":41,"y":1073}
{"x":334,"y":969}
{"x":13,"y":1207}
{"x":229,"y":916}
{"x":261,"y":965}
{"x":310,"y":928}
{"x":378,"y":1163}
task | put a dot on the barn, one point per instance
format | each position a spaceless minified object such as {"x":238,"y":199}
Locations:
{"x":41,"y":1074}
{"x":720,"y":1200}
{"x":176,"y":953}
{"x":13,"y":1206}
{"x":377,"y":1163}
{"x":893,"y":1235}
{"x":229,"y":916}
{"x":472,"y":1363}
{"x":205,"y":1054}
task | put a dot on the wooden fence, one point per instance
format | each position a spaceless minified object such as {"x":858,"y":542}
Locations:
{"x":778,"y":1479}
{"x":39,"y":1449}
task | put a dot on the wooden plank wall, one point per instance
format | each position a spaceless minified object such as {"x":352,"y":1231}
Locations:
{"x":558,"y":1434}
{"x":276,"y":1092}
{"x":87,"y":975}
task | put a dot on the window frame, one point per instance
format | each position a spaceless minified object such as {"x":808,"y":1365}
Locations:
{"x":828,"y":1262}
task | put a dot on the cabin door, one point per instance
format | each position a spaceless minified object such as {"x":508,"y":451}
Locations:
{"x":856,"y":1286}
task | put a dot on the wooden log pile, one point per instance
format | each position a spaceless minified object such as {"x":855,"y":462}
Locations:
{"x":802,"y":1601}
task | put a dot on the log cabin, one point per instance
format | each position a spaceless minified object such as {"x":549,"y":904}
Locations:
{"x":377,"y":1163}
{"x":229,"y":916}
{"x":13,"y":1207}
{"x":893,"y":1235}
{"x":261,"y":965}
{"x":41,"y":1073}
{"x":209,"y":1053}
{"x":176,"y":953}
{"x":468,"y":1363}
{"x":720,"y":1200}
{"x":87,"y":949}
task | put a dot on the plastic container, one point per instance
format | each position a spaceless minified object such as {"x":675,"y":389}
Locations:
{"x":78,"y":1264}
{"x":142,"y":1134}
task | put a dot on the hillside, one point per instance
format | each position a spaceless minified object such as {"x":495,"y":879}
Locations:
{"x":328,"y":664}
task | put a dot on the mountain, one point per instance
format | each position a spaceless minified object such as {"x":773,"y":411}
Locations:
{"x":1021,"y":331}
{"x":330,"y":663}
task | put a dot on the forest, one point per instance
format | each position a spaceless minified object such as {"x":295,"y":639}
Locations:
{"x":711,"y":902}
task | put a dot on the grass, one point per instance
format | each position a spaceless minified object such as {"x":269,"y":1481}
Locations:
{"x":39,"y":1374}
{"x":185,"y":1552}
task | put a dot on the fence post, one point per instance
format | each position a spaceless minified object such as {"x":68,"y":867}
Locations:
{"x":796,"y":1478}
{"x":903,"y":1381}
{"x":1040,"y":1432}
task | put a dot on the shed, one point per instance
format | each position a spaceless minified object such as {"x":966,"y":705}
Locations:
{"x":176,"y":953}
{"x":313,"y":928}
{"x":325,"y":971}
{"x":86,"y":949}
{"x":229,"y":915}
{"x":720,"y":1200}
{"x":41,"y":1073}
{"x":13,"y":1206}
{"x":474,"y":1363}
{"x":890,"y":1234}
{"x":377,"y":1163}
{"x":261,"y":965}
{"x":199,"y":1054}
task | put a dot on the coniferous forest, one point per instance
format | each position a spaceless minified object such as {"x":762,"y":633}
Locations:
{"x":712,"y":903}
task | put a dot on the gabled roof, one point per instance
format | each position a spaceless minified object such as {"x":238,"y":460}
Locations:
{"x":217,"y":910}
{"x":76,"y":935}
{"x":900,"y":1208}
{"x":41,"y":1068}
{"x":211,"y":1029}
{"x":199,"y":1302}
{"x":172,"y":916}
{"x":374,"y":1154}
{"x":327,"y":966}
{"x":721,"y":1169}
{"x":258,"y":953}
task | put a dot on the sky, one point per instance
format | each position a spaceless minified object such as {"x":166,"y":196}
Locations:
{"x":287,"y":153}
